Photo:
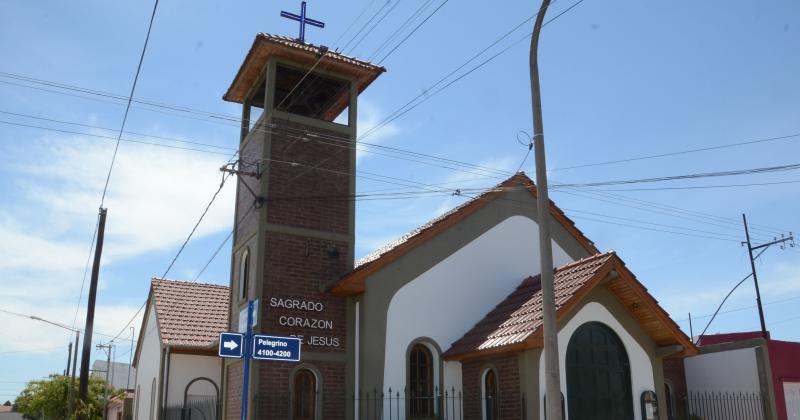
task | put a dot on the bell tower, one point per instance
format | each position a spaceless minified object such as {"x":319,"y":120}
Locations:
{"x":294,"y":226}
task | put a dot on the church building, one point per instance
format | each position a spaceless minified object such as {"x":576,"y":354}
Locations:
{"x":446,"y":321}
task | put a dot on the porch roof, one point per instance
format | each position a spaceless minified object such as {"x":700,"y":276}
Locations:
{"x":516,"y":323}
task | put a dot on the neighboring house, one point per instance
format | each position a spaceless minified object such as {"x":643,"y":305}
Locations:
{"x":743,"y":373}
{"x":176,"y":361}
{"x":449,"y":316}
{"x":120,"y":408}
{"x":121,"y":376}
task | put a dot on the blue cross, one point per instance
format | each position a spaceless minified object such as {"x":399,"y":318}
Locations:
{"x":303,"y":21}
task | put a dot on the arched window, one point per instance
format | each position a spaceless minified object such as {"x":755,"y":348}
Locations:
{"x":420,"y":381}
{"x":304,"y":395}
{"x":489,"y":389}
{"x":244,"y":274}
{"x":598,"y":375}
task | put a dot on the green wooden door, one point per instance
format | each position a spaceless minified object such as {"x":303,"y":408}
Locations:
{"x":598,"y":375}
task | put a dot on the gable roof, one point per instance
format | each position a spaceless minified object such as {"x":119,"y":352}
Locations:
{"x":516,"y":323}
{"x":190,"y":314}
{"x":352,"y":283}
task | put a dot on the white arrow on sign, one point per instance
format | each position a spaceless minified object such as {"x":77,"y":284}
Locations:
{"x":230,"y":345}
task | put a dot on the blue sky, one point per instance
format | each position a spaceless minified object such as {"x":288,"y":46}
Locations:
{"x":620,"y":80}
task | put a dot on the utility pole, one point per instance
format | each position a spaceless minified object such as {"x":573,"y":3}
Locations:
{"x":130,"y":362}
{"x":83,"y":388}
{"x":750,"y":249}
{"x":107,"y":348}
{"x":69,"y":359}
{"x":552,"y":374}
{"x":71,"y":401}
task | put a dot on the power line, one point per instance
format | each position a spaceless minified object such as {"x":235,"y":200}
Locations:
{"x":703,"y":187}
{"x":31,"y":317}
{"x":682,"y":152}
{"x":178,"y":254}
{"x":128,"y":106}
{"x":401,"y":28}
{"x":781,"y":168}
{"x":413,"y":31}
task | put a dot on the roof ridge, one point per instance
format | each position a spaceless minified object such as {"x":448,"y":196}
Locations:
{"x":187,"y":282}
{"x":584,"y":260}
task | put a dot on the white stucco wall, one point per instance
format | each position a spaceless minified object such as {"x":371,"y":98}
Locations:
{"x":443,"y":303}
{"x":725,"y":371}
{"x":184,"y":368}
{"x":641,"y":366}
{"x":147,"y":367}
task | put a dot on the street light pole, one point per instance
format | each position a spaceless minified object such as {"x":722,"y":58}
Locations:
{"x":552,"y":374}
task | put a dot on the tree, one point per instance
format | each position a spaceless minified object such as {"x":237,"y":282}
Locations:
{"x":47,"y":399}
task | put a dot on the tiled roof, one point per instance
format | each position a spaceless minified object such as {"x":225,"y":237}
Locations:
{"x":266,"y":45}
{"x":190,"y":314}
{"x":376,"y":254}
{"x":295,"y":43}
{"x":517,"y":317}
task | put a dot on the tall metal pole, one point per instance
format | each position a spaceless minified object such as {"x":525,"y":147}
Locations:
{"x":755,"y":279}
{"x":130,"y":363}
{"x":108,"y":369}
{"x":71,"y":402}
{"x":247,"y":343}
{"x":69,"y":359}
{"x":83,"y":387}
{"x":552,"y":374}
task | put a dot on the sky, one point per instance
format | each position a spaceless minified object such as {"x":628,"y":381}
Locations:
{"x":620,"y":80}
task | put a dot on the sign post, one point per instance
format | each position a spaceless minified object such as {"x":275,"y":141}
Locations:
{"x":261,"y":347}
{"x":247,"y":352}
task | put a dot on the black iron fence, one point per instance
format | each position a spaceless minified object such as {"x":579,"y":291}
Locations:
{"x":724,"y":406}
{"x":205,"y":408}
{"x":397,"y":405}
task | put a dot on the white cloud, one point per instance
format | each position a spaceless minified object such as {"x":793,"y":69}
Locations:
{"x":154,"y":199}
{"x":369,"y":117}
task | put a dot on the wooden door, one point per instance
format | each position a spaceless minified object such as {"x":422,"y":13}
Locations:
{"x":598,"y":375}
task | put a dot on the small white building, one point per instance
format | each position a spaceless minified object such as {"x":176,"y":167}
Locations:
{"x":177,"y":368}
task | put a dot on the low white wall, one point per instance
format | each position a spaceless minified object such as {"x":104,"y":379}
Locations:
{"x":725,"y":371}
{"x":184,"y":368}
{"x":641,"y":366}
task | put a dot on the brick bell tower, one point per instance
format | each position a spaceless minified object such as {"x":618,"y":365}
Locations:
{"x":294,"y":225}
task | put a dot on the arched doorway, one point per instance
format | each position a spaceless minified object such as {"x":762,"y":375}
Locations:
{"x":304,"y":395}
{"x":598,"y":375}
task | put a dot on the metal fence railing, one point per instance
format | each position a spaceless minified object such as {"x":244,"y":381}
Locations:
{"x":195,"y":409}
{"x":724,"y":406}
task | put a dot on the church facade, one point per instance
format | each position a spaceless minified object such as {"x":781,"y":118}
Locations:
{"x":445,"y":322}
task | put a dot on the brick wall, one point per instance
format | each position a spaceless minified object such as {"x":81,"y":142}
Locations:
{"x":675,"y":375}
{"x":509,"y":396}
{"x":233,"y":386}
{"x":313,"y":193}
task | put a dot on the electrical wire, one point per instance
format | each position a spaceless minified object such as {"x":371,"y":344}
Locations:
{"x":128,"y":106}
{"x":413,"y":31}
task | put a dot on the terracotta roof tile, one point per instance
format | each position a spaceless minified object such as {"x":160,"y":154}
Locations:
{"x":503,"y":186}
{"x":517,"y":317}
{"x":190,"y":314}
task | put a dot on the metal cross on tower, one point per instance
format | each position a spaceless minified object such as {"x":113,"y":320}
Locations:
{"x":303,"y":21}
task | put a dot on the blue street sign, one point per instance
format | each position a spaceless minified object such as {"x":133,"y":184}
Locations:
{"x":230,"y":344}
{"x":269,"y":347}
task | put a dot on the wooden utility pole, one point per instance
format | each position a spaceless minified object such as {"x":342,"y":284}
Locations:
{"x":552,"y":374}
{"x":83,"y":387}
